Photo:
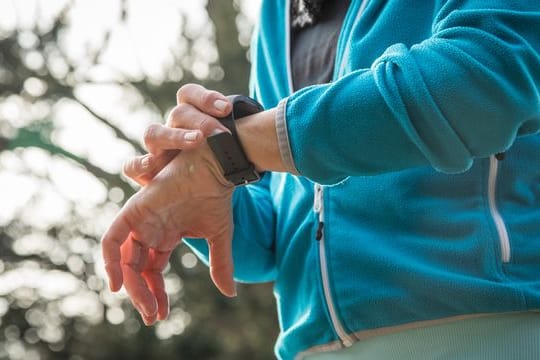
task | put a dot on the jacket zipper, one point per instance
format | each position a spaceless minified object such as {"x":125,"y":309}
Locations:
{"x":318,"y":203}
{"x":318,"y":208}
{"x":502,"y":232}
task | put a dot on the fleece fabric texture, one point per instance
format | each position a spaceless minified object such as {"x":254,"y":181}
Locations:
{"x":421,"y":222}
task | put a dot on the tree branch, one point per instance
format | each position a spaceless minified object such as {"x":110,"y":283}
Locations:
{"x":27,"y":138}
{"x":119,"y":133}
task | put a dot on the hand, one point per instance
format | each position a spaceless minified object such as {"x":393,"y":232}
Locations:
{"x":190,"y":122}
{"x":188,"y":198}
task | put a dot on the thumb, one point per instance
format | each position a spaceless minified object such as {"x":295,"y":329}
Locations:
{"x":221,"y":262}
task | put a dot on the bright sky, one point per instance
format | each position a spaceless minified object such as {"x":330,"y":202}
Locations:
{"x":133,"y":49}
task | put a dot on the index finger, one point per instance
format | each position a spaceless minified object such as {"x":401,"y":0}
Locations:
{"x":208,"y":101}
{"x":111,"y":241}
{"x":143,"y":168}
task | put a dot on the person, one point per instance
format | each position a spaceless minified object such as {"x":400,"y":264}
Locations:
{"x":398,"y":214}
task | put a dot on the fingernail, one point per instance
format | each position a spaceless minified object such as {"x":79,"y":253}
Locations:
{"x":147,"y":321}
{"x":220,"y":105}
{"x":147,"y":311}
{"x":141,"y":308}
{"x":191,"y":136}
{"x":145,"y":163}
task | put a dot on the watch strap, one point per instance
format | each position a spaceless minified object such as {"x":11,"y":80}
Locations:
{"x":227,"y":147}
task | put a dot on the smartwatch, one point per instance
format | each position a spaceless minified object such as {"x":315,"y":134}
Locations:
{"x":227,"y":147}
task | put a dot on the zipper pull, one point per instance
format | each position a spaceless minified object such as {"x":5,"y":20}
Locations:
{"x":317,"y":208}
{"x":319,"y":233}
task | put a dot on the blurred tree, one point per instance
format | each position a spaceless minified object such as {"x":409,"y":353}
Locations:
{"x":53,"y":301}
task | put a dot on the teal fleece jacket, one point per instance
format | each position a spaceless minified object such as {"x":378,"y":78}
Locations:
{"x":415,"y":220}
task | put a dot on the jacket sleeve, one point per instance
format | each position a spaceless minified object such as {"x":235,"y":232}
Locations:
{"x":253,"y":237}
{"x":466,"y":92}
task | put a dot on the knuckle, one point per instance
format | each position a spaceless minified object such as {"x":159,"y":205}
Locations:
{"x":150,"y":133}
{"x":180,"y":92}
{"x":178,"y":113}
{"x":128,"y":167}
{"x":208,"y":124}
{"x":184,"y":90}
{"x":208,"y":98}
{"x":205,"y":125}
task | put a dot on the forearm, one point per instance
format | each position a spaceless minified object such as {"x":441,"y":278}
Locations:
{"x":465,"y":93}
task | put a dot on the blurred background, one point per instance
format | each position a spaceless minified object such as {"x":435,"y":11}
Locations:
{"x":79,"y":82}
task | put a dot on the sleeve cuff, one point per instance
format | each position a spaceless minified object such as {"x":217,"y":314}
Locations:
{"x":283,"y":138}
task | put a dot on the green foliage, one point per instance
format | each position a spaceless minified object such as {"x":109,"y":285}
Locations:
{"x":53,"y":300}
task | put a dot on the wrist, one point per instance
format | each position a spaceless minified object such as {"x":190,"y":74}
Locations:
{"x":208,"y":157}
{"x":258,"y":136}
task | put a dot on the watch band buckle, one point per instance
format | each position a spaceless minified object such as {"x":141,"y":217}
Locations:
{"x":244,"y":176}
